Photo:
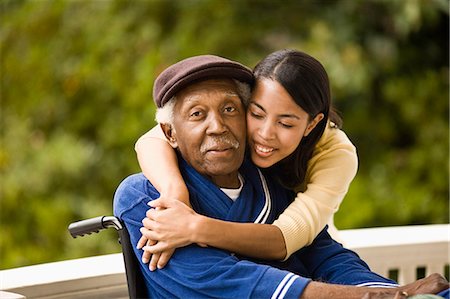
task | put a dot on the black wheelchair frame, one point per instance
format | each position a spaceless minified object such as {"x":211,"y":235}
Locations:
{"x":135,"y":280}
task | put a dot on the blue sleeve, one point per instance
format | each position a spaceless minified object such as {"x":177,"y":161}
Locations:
{"x":195,"y":272}
{"x":444,"y":294}
{"x":330,"y":262}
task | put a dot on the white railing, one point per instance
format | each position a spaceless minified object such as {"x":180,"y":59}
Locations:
{"x":92,"y":277}
{"x":404,"y":253}
{"x":400,"y":251}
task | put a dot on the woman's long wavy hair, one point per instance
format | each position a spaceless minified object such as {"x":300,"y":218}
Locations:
{"x":306,"y":81}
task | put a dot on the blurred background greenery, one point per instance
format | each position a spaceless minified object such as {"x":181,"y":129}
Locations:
{"x":76,"y":81}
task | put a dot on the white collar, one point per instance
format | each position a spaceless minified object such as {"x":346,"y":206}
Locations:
{"x":234,"y":193}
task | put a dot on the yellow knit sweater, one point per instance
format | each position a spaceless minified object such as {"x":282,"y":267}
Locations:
{"x":331,"y":169}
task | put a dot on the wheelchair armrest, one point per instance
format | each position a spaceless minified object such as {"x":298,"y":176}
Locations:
{"x":94,"y":225}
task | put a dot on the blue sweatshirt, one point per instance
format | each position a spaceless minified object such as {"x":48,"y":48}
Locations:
{"x":196,"y":272}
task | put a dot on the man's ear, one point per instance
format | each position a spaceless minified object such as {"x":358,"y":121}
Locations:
{"x":170,"y":134}
{"x":312,"y":124}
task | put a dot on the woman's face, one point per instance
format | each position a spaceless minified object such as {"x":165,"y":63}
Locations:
{"x":275,"y":123}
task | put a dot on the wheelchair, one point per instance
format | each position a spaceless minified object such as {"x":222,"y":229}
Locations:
{"x":135,"y":280}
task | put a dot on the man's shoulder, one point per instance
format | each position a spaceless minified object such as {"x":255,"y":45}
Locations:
{"x":133,"y":190}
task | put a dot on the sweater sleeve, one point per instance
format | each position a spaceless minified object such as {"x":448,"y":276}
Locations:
{"x":330,"y":172}
{"x":196,"y":272}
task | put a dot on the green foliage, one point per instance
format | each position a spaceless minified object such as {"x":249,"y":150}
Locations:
{"x":76,"y":80}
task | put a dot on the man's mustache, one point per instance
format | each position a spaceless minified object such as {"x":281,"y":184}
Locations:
{"x":219,"y":143}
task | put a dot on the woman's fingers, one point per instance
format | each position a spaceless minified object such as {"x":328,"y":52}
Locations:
{"x":151,"y":213}
{"x":149,"y":234}
{"x":154,"y":261}
{"x":165,"y":257}
{"x":141,"y":243}
{"x":159,"y":260}
{"x":156,"y":248}
{"x":147,"y":255}
{"x":162,"y":202}
{"x":149,"y":223}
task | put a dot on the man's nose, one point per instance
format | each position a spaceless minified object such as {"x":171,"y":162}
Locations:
{"x":216,"y":124}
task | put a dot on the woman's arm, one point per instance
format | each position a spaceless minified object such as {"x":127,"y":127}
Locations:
{"x":262,"y":241}
{"x":156,"y":157}
{"x":330,"y":171}
{"x":176,"y":225}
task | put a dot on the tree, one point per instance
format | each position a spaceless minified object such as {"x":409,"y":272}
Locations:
{"x":76,"y":80}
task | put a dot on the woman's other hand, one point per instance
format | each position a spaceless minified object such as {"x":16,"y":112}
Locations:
{"x":171,"y":223}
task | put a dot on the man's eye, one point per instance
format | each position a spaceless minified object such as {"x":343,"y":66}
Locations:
{"x":230,"y":109}
{"x":195,"y":114}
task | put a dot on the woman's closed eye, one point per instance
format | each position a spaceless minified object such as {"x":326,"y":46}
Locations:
{"x":287,"y":126}
{"x":256,"y":115}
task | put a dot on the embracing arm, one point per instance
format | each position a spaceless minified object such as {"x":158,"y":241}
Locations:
{"x":330,"y":172}
{"x":262,"y":241}
{"x":156,"y":157}
{"x":177,"y":225}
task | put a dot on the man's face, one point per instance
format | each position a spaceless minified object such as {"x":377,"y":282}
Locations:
{"x":210,"y":130}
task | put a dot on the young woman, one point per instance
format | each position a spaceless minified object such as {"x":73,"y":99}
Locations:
{"x":293,"y":134}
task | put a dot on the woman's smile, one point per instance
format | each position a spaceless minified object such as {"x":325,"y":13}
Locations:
{"x":262,"y":150}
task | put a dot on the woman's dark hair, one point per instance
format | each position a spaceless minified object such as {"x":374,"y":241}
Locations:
{"x":306,"y":81}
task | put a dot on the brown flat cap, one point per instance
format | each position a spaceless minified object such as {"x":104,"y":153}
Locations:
{"x":185,"y":72}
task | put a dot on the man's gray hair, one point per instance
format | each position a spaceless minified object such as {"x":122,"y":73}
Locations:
{"x":164,"y":115}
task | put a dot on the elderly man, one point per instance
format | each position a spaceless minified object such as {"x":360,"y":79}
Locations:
{"x":203,"y":116}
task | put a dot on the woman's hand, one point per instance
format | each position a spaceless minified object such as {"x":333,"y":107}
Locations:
{"x":156,"y":261}
{"x":171,"y":223}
